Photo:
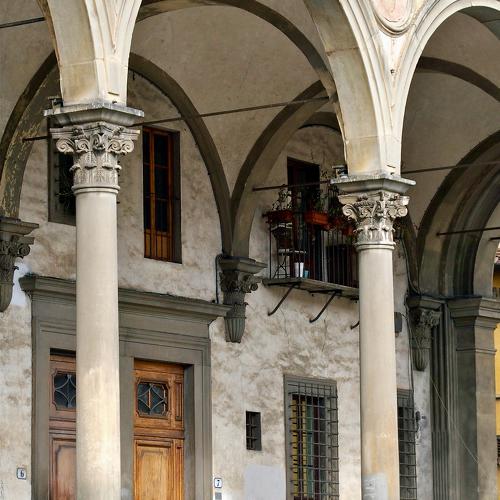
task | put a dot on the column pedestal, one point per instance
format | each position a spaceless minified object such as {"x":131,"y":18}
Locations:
{"x":96,"y":138}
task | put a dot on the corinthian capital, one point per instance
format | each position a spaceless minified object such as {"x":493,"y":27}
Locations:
{"x":14,"y":244}
{"x":374,"y":213}
{"x":236,"y":280}
{"x":96,"y":148}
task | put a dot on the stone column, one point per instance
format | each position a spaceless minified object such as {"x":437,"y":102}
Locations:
{"x":475,"y":320}
{"x":374,"y":203}
{"x":96,"y":137}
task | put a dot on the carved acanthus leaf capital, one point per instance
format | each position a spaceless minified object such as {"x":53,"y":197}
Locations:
{"x":14,"y":244}
{"x":374,"y":213}
{"x":96,"y":148}
{"x":423,"y":320}
{"x":237,"y":278}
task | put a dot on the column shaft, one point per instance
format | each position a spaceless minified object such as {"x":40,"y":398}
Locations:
{"x":379,"y":434}
{"x":97,"y":351}
{"x":374,"y":208}
{"x":96,"y":146}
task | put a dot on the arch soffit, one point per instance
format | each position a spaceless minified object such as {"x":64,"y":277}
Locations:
{"x":151,"y":8}
{"x":27,"y":114}
{"x":466,"y":197}
{"x":436,"y":65}
{"x":326,"y":119}
{"x":428,"y":21}
{"x":262,"y":156}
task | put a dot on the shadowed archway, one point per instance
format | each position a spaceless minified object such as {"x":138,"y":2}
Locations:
{"x":27,"y":115}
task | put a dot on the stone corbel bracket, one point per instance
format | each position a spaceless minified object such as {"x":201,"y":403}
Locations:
{"x":14,"y":243}
{"x":425,"y":315}
{"x":237,"y":278}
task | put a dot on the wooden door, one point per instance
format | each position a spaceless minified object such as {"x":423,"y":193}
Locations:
{"x":62,"y":427}
{"x":159,"y":431}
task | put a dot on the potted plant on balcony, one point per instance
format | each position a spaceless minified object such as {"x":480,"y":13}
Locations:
{"x":281,"y":211}
{"x":317,"y":213}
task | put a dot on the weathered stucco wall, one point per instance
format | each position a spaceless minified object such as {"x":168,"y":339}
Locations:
{"x":248,"y":376}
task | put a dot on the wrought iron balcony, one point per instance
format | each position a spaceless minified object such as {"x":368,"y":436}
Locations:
{"x":311,"y":239}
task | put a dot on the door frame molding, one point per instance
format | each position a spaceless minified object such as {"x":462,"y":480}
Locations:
{"x":153,"y":326}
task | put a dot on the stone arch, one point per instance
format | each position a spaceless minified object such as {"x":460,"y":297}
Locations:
{"x":92,"y":44}
{"x":261,"y":157}
{"x":151,"y":8}
{"x":325,"y":119}
{"x":436,"y":65}
{"x":466,"y":199}
{"x":27,"y":114}
{"x":428,"y":21}
{"x":346,"y":29}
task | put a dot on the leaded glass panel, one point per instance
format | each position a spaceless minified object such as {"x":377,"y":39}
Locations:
{"x":152,"y":399}
{"x":64,"y":395}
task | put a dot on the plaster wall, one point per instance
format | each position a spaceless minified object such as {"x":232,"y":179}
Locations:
{"x":226,"y":58}
{"x":446,"y":117}
{"x":22,"y":50}
{"x":246,"y":376}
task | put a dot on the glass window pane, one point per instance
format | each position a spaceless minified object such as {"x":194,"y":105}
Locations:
{"x":161,"y":149}
{"x":161,"y":182}
{"x":64,"y":387}
{"x":152,"y":399}
{"x":161,"y":214}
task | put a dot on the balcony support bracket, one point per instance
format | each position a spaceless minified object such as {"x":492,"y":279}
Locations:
{"x":332,"y":296}
{"x":290,"y":288}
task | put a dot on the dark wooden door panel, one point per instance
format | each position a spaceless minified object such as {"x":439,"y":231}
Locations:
{"x":63,"y":468}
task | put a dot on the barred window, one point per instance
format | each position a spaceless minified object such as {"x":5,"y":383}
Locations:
{"x":406,"y":436}
{"x":498,"y":451}
{"x":253,"y":431}
{"x":312,"y":439}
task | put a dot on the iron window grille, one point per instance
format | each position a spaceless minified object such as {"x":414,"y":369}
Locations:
{"x":498,"y":451}
{"x":253,"y":431}
{"x":311,"y":439}
{"x":406,"y":437}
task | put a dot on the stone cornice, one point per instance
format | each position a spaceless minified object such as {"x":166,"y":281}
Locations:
{"x":56,"y":289}
{"x":482,"y":311}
